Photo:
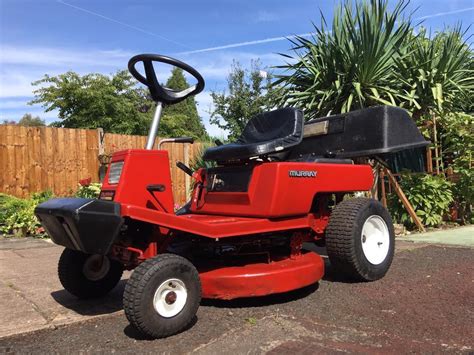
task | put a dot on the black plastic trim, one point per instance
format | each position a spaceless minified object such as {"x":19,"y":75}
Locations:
{"x":87,"y":225}
{"x":367,"y":132}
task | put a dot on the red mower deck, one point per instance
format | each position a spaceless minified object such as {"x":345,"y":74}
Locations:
{"x":263,"y":278}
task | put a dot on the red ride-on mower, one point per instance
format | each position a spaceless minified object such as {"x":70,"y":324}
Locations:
{"x":281,"y":184}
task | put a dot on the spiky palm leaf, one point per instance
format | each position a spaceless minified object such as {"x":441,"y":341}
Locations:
{"x":350,"y":66}
{"x":438,"y":72}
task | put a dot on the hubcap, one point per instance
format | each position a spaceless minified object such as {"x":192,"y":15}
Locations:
{"x":375,"y":239}
{"x":96,"y":267}
{"x":170,"y":298}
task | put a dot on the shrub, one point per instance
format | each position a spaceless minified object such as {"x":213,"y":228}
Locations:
{"x":17,"y":215}
{"x":458,"y":146}
{"x":91,"y":190}
{"x":198,"y":162}
{"x":429,"y":195}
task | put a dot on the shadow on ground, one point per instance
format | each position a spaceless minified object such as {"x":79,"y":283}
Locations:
{"x":262,"y":300}
{"x":113,"y":301}
{"x":108,"y":304}
{"x":132,"y":332}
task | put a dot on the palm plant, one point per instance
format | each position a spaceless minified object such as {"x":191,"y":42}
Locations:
{"x":438,"y":73}
{"x":439,"y":79}
{"x":351,"y":66}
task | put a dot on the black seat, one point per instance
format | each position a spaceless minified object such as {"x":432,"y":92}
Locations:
{"x":267,"y":133}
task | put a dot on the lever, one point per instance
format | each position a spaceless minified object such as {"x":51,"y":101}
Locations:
{"x":185,"y":168}
{"x":183,"y":140}
{"x":176,"y":140}
{"x":156,"y":188}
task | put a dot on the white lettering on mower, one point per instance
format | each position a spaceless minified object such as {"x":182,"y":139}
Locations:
{"x":302,"y":173}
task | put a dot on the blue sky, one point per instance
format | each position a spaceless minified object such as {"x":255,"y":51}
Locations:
{"x":54,"y":36}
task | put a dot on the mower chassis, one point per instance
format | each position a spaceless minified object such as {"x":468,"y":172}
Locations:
{"x":65,"y":218}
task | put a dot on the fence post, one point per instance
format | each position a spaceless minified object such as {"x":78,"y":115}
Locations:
{"x":101,"y":136}
{"x":187,"y":178}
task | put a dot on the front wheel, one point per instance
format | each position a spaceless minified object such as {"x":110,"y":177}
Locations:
{"x":360,"y":239}
{"x":162,"y":296}
{"x":88,"y":276}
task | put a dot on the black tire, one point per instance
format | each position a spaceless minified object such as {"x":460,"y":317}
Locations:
{"x":344,"y":239}
{"x":71,"y":274}
{"x":147,"y":278}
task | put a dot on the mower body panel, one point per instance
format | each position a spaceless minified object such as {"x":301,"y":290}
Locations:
{"x":87,"y":225}
{"x":217,"y":226}
{"x":141,"y":168}
{"x":275,"y":189}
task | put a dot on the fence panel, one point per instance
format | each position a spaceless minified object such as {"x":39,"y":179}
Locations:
{"x":34,"y":159}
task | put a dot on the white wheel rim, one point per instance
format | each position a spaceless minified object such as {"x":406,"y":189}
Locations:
{"x":96,"y":267}
{"x":170,"y":298}
{"x":375,"y":239}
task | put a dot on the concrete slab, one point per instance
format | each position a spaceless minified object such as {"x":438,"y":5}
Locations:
{"x":18,"y":315}
{"x":24,"y":243}
{"x":462,"y":236}
{"x":32,"y":297}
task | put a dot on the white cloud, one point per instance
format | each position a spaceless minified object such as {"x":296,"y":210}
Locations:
{"x":265,"y":16}
{"x":22,"y":65}
{"x":13,"y":84}
{"x":54,"y":57}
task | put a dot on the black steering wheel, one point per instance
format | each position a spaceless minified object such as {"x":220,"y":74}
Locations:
{"x":157,"y":91}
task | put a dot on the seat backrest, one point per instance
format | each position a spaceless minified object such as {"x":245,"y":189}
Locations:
{"x":267,"y":133}
{"x":267,"y":126}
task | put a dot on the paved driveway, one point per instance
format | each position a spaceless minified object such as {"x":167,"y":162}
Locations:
{"x":424,"y":304}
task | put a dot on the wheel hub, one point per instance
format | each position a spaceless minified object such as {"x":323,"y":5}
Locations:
{"x":170,"y":298}
{"x":375,"y":240}
{"x":96,"y":267}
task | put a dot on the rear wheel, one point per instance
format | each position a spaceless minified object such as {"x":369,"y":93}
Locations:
{"x":162,"y":296}
{"x":88,"y":276}
{"x":360,"y":239}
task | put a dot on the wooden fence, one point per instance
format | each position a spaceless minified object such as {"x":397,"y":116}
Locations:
{"x":34,"y":159}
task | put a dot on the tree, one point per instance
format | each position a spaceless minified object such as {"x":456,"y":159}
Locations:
{"x":181,"y":119}
{"x":250,"y":93}
{"x":29,"y":120}
{"x":95,"y":100}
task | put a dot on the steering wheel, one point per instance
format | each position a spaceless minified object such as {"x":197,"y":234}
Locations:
{"x":157,"y":91}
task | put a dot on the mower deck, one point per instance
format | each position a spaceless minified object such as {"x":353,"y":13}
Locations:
{"x":263,"y":278}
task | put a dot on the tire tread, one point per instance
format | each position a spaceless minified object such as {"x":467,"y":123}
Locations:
{"x":71,"y":277}
{"x":136,"y":285}
{"x":340,"y":243}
